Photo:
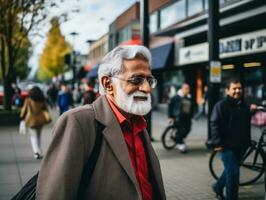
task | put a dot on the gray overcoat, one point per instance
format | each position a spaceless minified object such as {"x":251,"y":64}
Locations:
{"x":113,"y":177}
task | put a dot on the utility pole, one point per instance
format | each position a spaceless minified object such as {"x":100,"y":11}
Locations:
{"x":73,"y":60}
{"x":214,"y":63}
{"x":145,"y":38}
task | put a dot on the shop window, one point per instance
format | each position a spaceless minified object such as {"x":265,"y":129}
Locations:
{"x":154,"y":22}
{"x":173,"y":13}
{"x":195,"y":7}
{"x":124,"y":34}
{"x":254,"y":88}
{"x":206,"y":4}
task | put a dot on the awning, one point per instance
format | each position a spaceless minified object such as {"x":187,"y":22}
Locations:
{"x":94,"y":72}
{"x":161,"y":56}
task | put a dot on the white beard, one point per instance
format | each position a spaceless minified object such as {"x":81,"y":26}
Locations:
{"x":126,"y":102}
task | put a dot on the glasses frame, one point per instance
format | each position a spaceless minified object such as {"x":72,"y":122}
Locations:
{"x":151,"y":80}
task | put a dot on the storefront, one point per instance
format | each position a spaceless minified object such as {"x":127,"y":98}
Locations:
{"x":241,"y":55}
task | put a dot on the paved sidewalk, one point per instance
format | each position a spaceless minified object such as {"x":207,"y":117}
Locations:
{"x":186,"y":176}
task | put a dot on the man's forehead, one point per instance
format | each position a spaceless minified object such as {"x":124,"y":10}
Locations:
{"x":235,"y":85}
{"x":135,"y":64}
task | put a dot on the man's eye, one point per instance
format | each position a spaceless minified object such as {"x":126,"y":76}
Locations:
{"x":137,"y":80}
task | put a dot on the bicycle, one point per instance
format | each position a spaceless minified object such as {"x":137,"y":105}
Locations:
{"x":253,"y":163}
{"x":169,"y":136}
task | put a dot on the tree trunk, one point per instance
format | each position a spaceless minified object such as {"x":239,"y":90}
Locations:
{"x":7,"y":81}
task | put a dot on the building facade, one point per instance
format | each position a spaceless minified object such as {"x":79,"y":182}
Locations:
{"x":242,"y":44}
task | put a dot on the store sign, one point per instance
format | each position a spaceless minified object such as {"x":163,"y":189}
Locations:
{"x":215,"y":72}
{"x":194,"y":53}
{"x":249,"y":43}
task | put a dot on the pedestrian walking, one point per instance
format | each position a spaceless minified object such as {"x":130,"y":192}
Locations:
{"x":180,"y":113}
{"x":52,"y":94}
{"x":202,"y":112}
{"x":89,"y":95}
{"x":230,"y":130}
{"x":65,"y":99}
{"x":35,"y":113}
{"x":126,"y":167}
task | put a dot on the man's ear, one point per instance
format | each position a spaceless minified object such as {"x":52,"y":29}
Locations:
{"x":107,"y":84}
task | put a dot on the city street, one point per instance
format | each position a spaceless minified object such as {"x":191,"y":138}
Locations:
{"x":186,"y":176}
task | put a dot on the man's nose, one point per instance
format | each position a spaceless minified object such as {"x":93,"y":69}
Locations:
{"x":145,"y":87}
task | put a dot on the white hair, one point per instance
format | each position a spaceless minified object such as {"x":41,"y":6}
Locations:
{"x":112,"y":62}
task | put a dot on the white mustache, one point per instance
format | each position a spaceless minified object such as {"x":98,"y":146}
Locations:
{"x":141,"y":94}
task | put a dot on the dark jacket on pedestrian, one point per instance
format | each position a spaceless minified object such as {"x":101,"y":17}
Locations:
{"x":230,"y":124}
{"x":180,"y":108}
{"x":88,"y":97}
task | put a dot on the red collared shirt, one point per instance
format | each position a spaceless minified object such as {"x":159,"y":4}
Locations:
{"x":131,"y":131}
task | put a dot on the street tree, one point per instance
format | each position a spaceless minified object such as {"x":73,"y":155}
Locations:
{"x":19,"y":18}
{"x":52,"y":59}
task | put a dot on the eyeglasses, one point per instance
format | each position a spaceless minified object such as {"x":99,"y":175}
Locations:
{"x":139,"y":80}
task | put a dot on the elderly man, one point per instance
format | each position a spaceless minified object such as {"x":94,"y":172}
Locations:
{"x":126,"y":166}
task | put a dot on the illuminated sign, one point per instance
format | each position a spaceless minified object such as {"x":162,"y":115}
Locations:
{"x":249,"y":43}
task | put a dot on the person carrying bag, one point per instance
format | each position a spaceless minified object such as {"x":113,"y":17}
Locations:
{"x":35,"y":114}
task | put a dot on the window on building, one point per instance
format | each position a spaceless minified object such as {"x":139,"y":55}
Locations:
{"x":195,"y":7}
{"x":154,"y":22}
{"x":206,"y":4}
{"x":173,"y":13}
{"x":124,"y":34}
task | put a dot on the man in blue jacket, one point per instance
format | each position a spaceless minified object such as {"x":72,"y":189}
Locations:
{"x":230,"y":129}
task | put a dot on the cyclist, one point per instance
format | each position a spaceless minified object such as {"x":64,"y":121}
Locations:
{"x":230,"y":129}
{"x":180,"y":112}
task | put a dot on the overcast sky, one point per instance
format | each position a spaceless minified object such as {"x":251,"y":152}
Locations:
{"x":91,"y":22}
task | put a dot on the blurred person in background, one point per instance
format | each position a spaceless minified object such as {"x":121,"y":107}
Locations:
{"x":180,"y":113}
{"x":203,"y":111}
{"x":32,"y":107}
{"x":89,"y":95}
{"x":52,"y":94}
{"x":65,"y":99}
{"x":77,"y":95}
{"x":17,"y":98}
{"x":230,"y":130}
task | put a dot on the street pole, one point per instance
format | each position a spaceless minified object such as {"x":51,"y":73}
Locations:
{"x":213,"y":40}
{"x":73,"y":60}
{"x":145,"y":38}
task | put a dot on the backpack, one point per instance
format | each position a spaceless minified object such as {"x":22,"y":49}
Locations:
{"x":28,"y":191}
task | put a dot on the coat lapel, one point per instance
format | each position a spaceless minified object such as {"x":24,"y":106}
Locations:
{"x":154,"y":163}
{"x":114,"y":136}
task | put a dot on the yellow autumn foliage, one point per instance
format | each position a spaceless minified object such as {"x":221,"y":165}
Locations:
{"x":52,"y":59}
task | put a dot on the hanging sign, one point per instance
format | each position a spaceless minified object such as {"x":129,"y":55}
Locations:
{"x":215,"y":72}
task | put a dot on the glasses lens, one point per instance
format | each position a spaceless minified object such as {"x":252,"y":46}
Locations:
{"x":137,"y":80}
{"x":153,"y":82}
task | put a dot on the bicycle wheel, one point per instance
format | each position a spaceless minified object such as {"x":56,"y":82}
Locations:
{"x":168,"y":137}
{"x":215,"y":165}
{"x":252,"y":166}
{"x":251,"y":169}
